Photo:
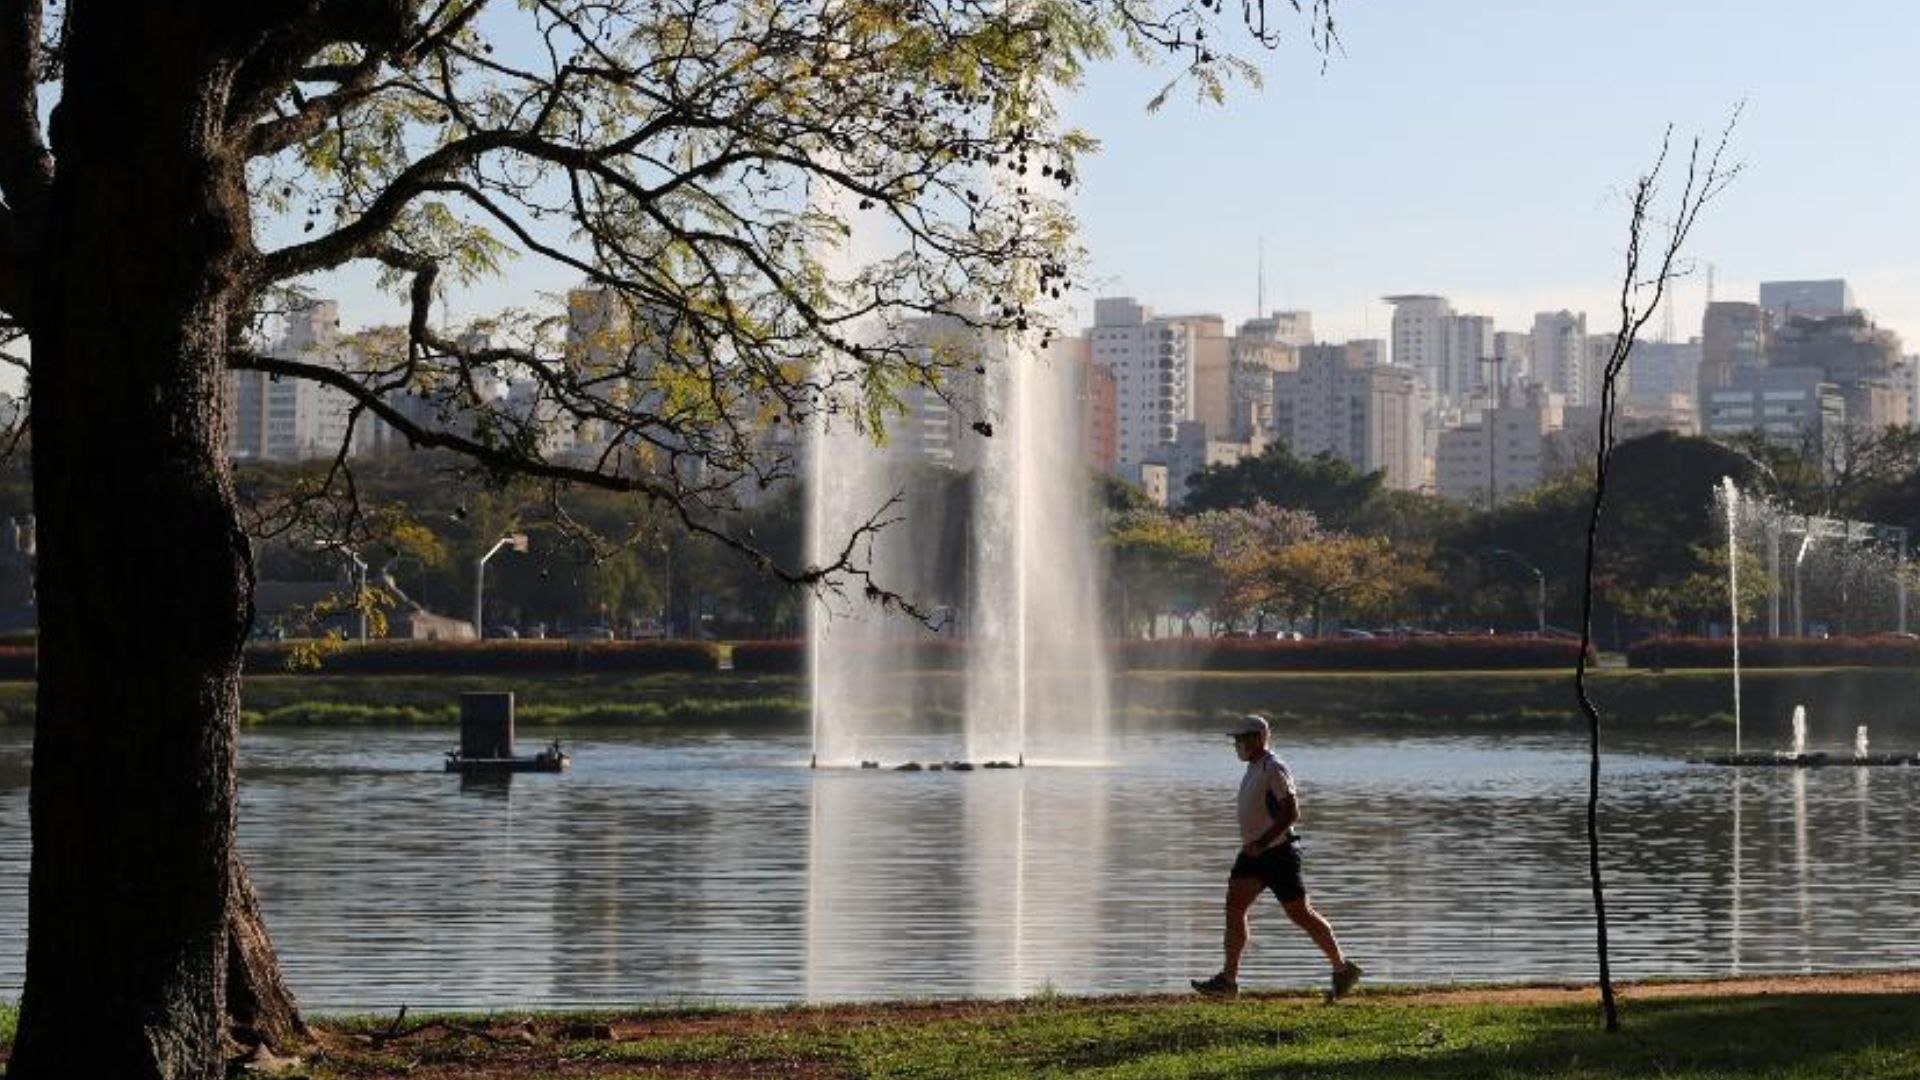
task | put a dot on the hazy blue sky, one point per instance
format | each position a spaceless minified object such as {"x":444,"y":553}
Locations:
{"x":1480,"y":149}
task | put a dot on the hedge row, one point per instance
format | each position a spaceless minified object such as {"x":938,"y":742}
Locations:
{"x":483,"y":657}
{"x":1209,"y":654}
{"x":1379,"y":654}
{"x":17,"y":662}
{"x":789,"y":657}
{"x":1888,"y":651}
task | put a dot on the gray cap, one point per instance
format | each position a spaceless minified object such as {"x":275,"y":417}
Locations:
{"x":1251,"y":725}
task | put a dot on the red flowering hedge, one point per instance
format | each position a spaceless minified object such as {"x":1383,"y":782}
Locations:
{"x":484,"y":657}
{"x":1880,"y":651}
{"x":17,"y":662}
{"x":789,"y":657}
{"x":1340,"y":654}
{"x":1213,"y":654}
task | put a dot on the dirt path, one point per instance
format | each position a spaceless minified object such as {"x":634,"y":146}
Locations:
{"x":1866,"y":982}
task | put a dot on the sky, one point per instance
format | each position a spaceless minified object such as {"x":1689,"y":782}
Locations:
{"x":1482,"y":150}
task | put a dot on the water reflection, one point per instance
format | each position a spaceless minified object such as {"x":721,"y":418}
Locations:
{"x":682,"y":866}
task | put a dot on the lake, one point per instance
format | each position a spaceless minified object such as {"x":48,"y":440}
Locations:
{"x":678,"y":866}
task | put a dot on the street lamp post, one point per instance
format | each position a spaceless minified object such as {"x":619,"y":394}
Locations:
{"x":516,"y":541}
{"x":1540,"y":589}
{"x":360,"y":591}
{"x":358,"y":578}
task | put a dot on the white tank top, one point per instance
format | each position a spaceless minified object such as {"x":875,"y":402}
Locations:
{"x":1268,"y":781}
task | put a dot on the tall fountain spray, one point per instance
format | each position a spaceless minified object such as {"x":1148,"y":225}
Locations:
{"x":1037,"y":673}
{"x":1732,"y":499}
{"x":1799,"y":731}
{"x":1035,"y":681}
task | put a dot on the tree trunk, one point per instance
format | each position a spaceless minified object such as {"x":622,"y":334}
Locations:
{"x":144,"y":575}
{"x":260,"y":1009}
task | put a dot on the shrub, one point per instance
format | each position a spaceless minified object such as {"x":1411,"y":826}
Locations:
{"x":1380,"y":654}
{"x":790,"y":657}
{"x":18,"y":662}
{"x":484,"y":657}
{"x":1879,"y":651}
{"x":771,"y":657}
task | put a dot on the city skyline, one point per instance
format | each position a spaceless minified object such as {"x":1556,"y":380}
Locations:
{"x":1396,"y":167}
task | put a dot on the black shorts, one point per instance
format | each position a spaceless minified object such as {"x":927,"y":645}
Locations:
{"x":1278,"y":868}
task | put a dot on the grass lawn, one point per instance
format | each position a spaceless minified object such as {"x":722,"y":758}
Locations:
{"x":1692,"y":1033}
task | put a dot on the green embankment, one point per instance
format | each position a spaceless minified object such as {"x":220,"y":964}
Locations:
{"x":1628,"y":698}
{"x":1783,"y":1036}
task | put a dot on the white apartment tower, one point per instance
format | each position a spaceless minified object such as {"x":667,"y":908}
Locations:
{"x":1447,"y":350}
{"x":1153,"y":363}
{"x":1422,"y":337}
{"x":1559,"y":349}
{"x":290,"y":419}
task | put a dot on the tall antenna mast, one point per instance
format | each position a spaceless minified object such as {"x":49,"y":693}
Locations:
{"x":1260,"y":293}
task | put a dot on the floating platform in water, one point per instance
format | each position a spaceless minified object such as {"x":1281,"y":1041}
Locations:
{"x":486,"y":740}
{"x":552,"y":759}
{"x":1805,"y":761}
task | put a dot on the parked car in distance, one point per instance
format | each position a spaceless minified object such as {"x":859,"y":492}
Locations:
{"x":1357,"y":635}
{"x":590,"y":633}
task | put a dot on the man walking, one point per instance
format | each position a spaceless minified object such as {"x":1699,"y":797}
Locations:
{"x":1269,"y":807}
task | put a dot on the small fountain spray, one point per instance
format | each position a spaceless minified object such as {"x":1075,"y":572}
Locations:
{"x":1860,"y":743}
{"x":1732,"y":493}
{"x":1799,"y":732}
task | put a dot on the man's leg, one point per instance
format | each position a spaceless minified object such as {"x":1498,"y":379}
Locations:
{"x":1241,"y":893}
{"x":1345,"y":972}
{"x":1306,"y":918}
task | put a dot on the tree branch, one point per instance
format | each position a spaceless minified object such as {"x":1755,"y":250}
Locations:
{"x":26,"y":166}
{"x":506,"y":462}
{"x":354,"y":83}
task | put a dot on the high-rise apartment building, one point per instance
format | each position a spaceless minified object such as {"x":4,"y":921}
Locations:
{"x":1862,"y":360}
{"x":289,"y":419}
{"x":1152,"y":361}
{"x":1513,"y":356}
{"x":1368,"y":415}
{"x":1449,"y":351}
{"x":1794,"y":405}
{"x":1100,"y":434}
{"x":1560,"y":354}
{"x":1658,"y":370}
{"x":1421,"y":336}
{"x":1212,"y":371}
{"x":1733,"y":335}
{"x":1258,"y":350}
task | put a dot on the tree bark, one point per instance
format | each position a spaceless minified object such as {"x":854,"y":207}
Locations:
{"x":144,"y":575}
{"x":260,"y":1009}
